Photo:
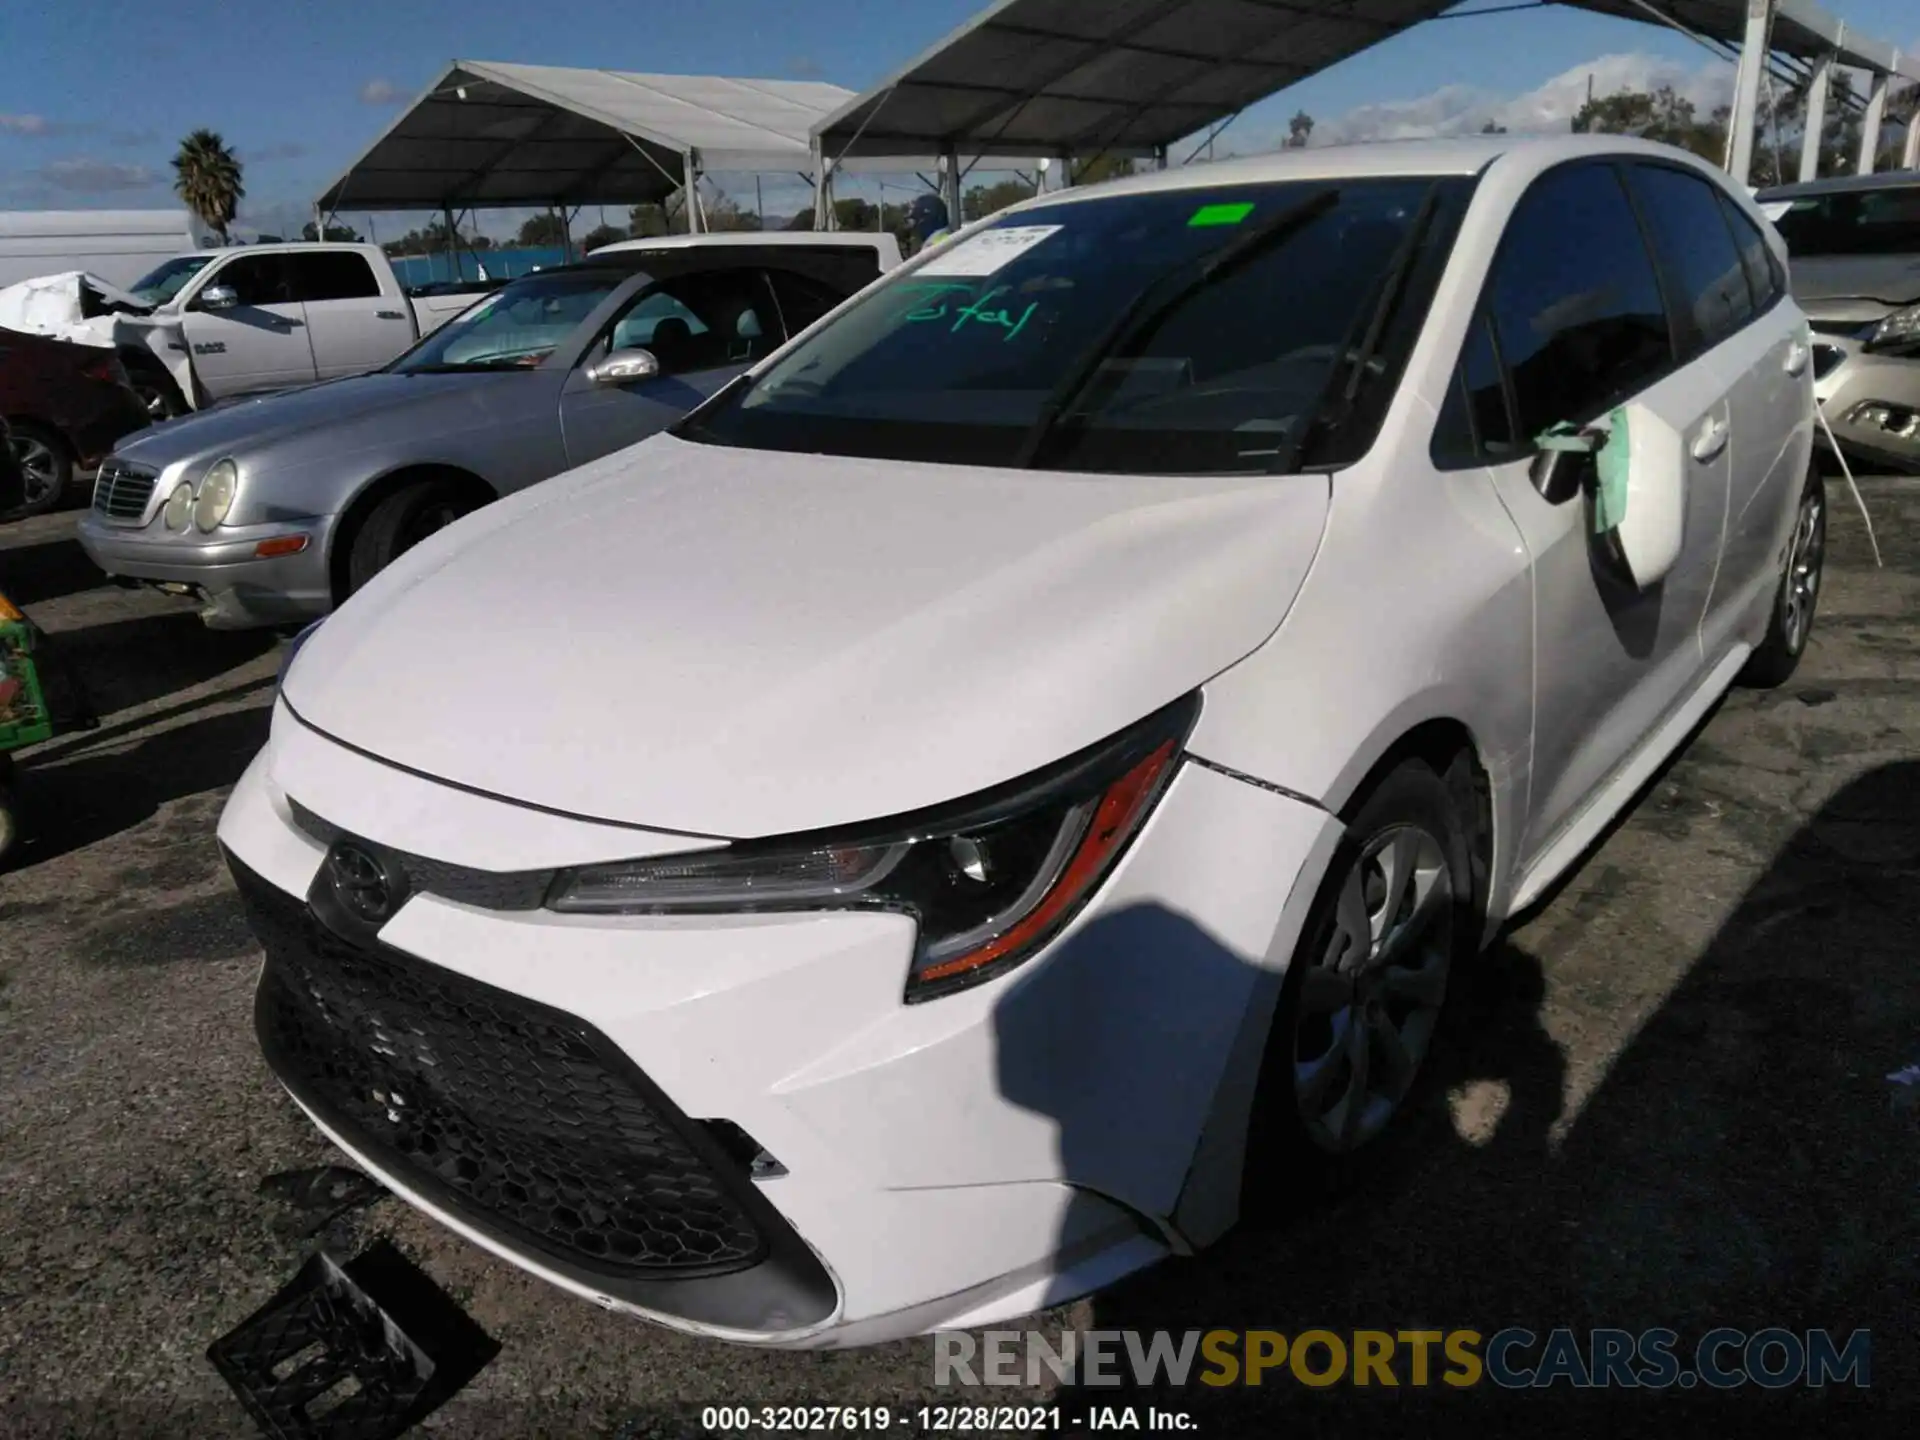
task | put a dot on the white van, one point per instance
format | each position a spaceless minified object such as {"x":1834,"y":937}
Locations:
{"x":117,"y":245}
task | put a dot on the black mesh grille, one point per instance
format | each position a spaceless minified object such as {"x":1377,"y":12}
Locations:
{"x":121,"y":491}
{"x":463,"y":884}
{"x":527,"y":1121}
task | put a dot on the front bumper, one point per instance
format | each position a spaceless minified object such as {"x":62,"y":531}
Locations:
{"x":954,"y":1163}
{"x":236,"y":588}
{"x":1849,"y":379}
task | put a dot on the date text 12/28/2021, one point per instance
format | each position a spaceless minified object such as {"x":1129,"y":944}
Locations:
{"x":941,"y":1419}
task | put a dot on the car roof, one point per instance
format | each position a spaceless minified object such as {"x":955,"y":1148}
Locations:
{"x":676,"y":260}
{"x":850,"y":238}
{"x":1843,"y":184}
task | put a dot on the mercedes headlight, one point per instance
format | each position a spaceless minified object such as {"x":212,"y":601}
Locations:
{"x":178,"y":510}
{"x":215,"y":497}
{"x":1899,"y":329}
{"x":989,"y":880}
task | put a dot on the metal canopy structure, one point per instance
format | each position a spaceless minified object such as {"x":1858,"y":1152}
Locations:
{"x":1125,"y":77}
{"x":496,"y":135}
{"x":1133,"y":77}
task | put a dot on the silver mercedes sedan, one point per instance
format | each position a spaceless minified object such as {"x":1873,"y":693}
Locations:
{"x":272,"y":511}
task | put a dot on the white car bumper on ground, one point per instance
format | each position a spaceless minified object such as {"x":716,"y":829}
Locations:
{"x":548,"y":1084}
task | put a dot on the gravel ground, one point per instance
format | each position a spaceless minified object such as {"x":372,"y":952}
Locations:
{"x":1664,"y":1102}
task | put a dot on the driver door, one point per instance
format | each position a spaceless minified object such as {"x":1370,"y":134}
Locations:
{"x":259,"y":344}
{"x":1574,"y":324}
{"x":703,"y":329}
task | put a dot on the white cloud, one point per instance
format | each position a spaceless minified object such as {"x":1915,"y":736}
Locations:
{"x":25,"y":124}
{"x":381,"y":92}
{"x":1547,"y":108}
{"x":85,"y":175}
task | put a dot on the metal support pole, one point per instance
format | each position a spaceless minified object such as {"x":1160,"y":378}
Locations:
{"x":1159,"y":157}
{"x":690,"y":189}
{"x":1870,"y":126}
{"x":1818,"y":85}
{"x":950,"y":182}
{"x":1910,"y":159}
{"x":759,"y":202}
{"x":453,"y":255}
{"x":1746,"y":90}
{"x":1066,"y":169}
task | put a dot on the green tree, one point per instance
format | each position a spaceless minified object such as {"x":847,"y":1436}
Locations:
{"x":1299,"y":130}
{"x":602,"y":235}
{"x":546,"y":228}
{"x":984,"y":200}
{"x":1492,"y":129}
{"x":342,"y":233}
{"x":206,"y":175}
{"x":1096,"y":168}
{"x":648,"y":220}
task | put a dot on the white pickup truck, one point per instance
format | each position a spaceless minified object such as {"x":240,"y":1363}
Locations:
{"x":213,"y":324}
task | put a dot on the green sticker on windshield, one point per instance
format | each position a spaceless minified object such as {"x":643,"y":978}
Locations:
{"x":1221,"y":214}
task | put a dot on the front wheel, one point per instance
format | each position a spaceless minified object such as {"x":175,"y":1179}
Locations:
{"x":399,"y":522}
{"x":1778,"y":656}
{"x":1363,"y":994}
{"x":46,"y":467}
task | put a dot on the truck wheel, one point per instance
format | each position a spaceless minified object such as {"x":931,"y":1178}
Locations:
{"x":46,"y":466}
{"x":401,"y":521}
{"x":9,"y":813}
{"x":159,"y":396}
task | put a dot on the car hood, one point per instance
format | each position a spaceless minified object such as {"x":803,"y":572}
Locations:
{"x":249,"y":425}
{"x":739,"y":643}
{"x":1891,"y":279}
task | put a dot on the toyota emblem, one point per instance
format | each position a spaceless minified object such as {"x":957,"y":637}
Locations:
{"x":360,"y":883}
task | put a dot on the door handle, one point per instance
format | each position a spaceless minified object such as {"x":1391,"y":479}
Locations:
{"x":1797,"y":356}
{"x":1711,"y":441}
{"x":388,"y":315}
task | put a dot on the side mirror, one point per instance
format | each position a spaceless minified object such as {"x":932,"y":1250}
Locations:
{"x":623,"y":367}
{"x":219,"y":297}
{"x":1635,"y":468}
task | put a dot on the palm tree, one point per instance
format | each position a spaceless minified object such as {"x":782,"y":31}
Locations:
{"x":206,"y":175}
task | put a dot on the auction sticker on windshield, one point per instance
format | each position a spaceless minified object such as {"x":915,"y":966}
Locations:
{"x":980,"y":255}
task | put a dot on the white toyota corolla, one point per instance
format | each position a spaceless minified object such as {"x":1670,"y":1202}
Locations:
{"x":905,"y":848}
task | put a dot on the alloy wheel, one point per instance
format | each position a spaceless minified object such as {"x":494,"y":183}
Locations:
{"x":1370,"y":1003}
{"x":1805,"y":558}
{"x":39,"y":467}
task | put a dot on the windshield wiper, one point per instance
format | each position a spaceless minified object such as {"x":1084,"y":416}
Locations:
{"x":1153,"y":301}
{"x":1392,"y":288}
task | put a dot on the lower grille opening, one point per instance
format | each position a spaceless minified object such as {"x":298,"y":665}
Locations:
{"x":524,"y":1122}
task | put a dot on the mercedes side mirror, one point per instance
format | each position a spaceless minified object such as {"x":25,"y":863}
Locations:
{"x":623,"y":367}
{"x":219,"y":297}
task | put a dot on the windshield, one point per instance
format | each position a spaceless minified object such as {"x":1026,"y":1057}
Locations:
{"x":1167,"y":332}
{"x":1850,"y":222}
{"x":515,"y":329}
{"x":161,"y":285}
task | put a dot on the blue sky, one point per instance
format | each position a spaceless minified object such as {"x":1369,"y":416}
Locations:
{"x":95,"y":93}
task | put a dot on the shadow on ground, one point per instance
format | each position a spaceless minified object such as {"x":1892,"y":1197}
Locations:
{"x":72,"y":803}
{"x":1738,"y":1166}
{"x":126,"y":663}
{"x":34,"y":574}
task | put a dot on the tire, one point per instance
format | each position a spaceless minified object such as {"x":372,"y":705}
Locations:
{"x":1778,"y":656}
{"x":1330,"y":1082}
{"x":9,"y":815}
{"x":159,"y":396}
{"x":399,"y":522}
{"x":46,"y":466}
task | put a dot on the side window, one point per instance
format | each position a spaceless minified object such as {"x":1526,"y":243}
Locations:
{"x":1708,"y":283}
{"x":1476,"y":424}
{"x":1764,"y":277}
{"x":1575,"y":303}
{"x":697,"y":322}
{"x":803,"y":299}
{"x":257,"y":279}
{"x":333,"y":275}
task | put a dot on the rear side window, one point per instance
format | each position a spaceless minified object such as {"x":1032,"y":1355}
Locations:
{"x":333,"y":275}
{"x":1708,"y":283}
{"x":1575,"y":303}
{"x":1854,"y":222}
{"x":1764,"y":276}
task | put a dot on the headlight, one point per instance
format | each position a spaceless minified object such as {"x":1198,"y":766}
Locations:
{"x":179,"y":507}
{"x":215,"y":499}
{"x":989,"y":881}
{"x":1898,"y":329}
{"x":293,"y":649}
